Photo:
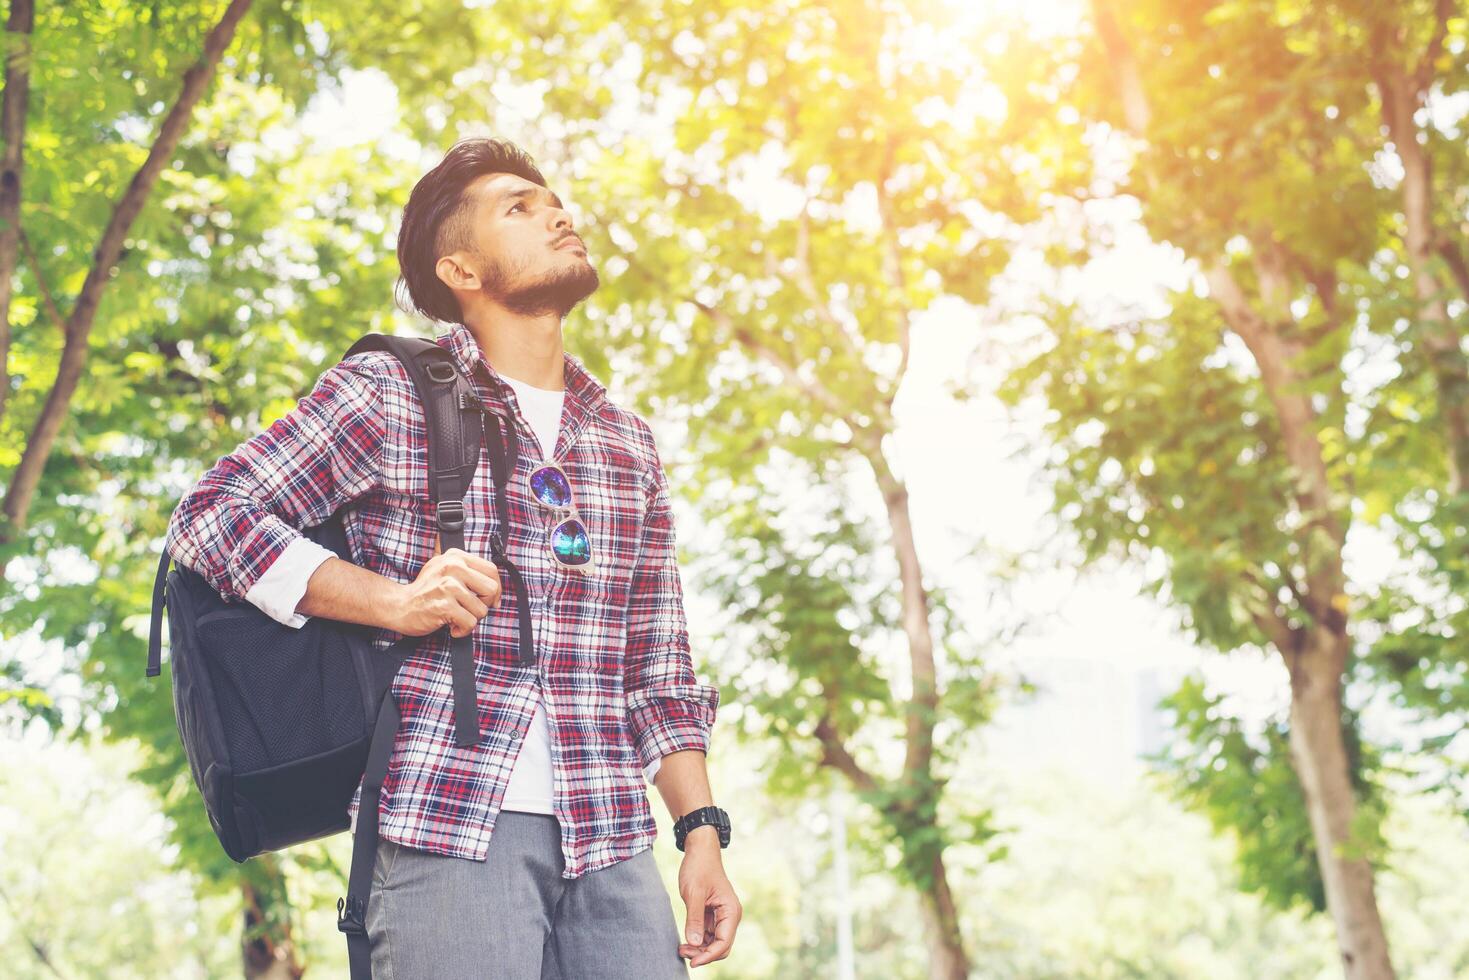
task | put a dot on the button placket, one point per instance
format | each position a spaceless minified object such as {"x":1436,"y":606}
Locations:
{"x":524,"y":465}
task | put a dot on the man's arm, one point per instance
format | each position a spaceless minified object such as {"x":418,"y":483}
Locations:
{"x":245,"y":513}
{"x":670,"y":715}
{"x":683,"y":782}
{"x":280,"y":589}
{"x":668,"y":710}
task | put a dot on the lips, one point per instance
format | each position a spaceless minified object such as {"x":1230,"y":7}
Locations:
{"x":573,"y":240}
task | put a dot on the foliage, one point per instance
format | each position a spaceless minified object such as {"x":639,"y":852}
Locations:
{"x":1243,"y":779}
{"x":1255,"y":144}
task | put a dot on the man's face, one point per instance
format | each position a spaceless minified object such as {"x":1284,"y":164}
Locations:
{"x":529,"y":259}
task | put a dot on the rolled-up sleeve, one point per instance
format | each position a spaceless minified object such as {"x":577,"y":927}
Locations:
{"x":284,"y":583}
{"x":668,"y":709}
{"x":244,"y":513}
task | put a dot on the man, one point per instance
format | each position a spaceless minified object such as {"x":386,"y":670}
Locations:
{"x":529,"y":854}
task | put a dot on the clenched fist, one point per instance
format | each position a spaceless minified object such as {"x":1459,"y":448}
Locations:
{"x":453,"y":587}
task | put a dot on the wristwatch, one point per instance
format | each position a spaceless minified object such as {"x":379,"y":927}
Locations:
{"x":710,"y":815}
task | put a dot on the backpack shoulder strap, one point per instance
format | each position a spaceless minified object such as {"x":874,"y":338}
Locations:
{"x":455,"y":428}
{"x":155,"y":619}
{"x":452,"y":417}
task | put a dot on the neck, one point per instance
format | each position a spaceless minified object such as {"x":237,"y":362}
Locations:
{"x":525,"y":348}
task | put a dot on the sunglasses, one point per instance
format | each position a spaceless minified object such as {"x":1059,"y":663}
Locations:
{"x":570,"y":542}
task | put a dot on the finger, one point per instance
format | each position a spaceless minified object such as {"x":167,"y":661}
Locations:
{"x":694,"y":924}
{"x":482,"y":565}
{"x":727,"y":920}
{"x":461,"y":623}
{"x":454,"y":590}
{"x":719,"y":938}
{"x":692,"y":949}
{"x":473,"y":604}
{"x":486,"y":586}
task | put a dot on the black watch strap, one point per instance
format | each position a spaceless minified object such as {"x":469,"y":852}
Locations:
{"x":711,"y":816}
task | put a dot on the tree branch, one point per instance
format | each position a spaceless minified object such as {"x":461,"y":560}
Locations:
{"x":1448,"y":250}
{"x":834,"y":753}
{"x":34,"y":944}
{"x":806,"y":283}
{"x":814,"y":389}
{"x":892,"y":266}
{"x":14,"y":109}
{"x":51,"y":307}
{"x":1276,"y":357}
{"x":1136,"y":112}
{"x":1442,"y":11}
{"x":1401,"y":91}
{"x":42,"y":438}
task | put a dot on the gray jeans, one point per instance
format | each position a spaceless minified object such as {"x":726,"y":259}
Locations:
{"x":513,"y":917}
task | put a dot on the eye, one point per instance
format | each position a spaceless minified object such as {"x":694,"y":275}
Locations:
{"x":517,"y":204}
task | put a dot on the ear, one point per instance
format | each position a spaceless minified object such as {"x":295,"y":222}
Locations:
{"x":453,"y":273}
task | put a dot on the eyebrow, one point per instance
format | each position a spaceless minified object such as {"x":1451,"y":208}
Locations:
{"x":528,"y":192}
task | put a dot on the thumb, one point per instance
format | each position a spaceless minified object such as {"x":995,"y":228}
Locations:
{"x":694,"y":927}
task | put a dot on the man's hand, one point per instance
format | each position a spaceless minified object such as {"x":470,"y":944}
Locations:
{"x":713,"y":910}
{"x":452,"y":587}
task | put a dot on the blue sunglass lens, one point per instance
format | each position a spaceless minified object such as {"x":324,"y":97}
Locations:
{"x":550,"y":487}
{"x":570,"y":542}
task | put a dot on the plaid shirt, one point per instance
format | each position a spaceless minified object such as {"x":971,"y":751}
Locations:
{"x":614,"y":668}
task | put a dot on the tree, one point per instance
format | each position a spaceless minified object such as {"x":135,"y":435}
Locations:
{"x":1227,"y":436}
{"x":170,"y":281}
{"x":76,"y":324}
{"x":783,"y":337}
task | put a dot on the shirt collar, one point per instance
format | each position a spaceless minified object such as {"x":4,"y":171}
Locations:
{"x":582,"y":389}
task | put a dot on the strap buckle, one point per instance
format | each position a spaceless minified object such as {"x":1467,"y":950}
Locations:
{"x":469,"y":401}
{"x":449,"y":514}
{"x":350,"y":916}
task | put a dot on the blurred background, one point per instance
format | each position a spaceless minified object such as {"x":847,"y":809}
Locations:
{"x":1066,"y":406}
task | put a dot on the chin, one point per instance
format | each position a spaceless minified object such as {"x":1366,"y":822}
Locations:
{"x":558,"y":290}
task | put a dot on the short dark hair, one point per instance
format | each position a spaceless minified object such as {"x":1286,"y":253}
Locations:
{"x":436,"y":218}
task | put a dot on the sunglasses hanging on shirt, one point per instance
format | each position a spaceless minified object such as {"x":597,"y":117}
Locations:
{"x":570,"y":543}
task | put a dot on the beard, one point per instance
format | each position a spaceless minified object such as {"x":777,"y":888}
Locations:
{"x":557,"y":291}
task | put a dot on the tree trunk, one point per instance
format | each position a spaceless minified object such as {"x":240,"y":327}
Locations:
{"x":1401,"y":97}
{"x":1316,"y":655}
{"x":1317,"y":660}
{"x":268,"y":953}
{"x":923,"y":703}
{"x":1319,"y":756}
{"x":13,"y":112}
{"x":947,"y":959}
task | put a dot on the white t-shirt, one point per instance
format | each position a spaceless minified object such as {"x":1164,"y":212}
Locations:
{"x":532,"y":785}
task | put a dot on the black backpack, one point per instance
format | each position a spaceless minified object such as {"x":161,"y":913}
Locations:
{"x":280,"y":724}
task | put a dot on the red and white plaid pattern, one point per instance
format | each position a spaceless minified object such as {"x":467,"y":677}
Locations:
{"x":614,"y":670}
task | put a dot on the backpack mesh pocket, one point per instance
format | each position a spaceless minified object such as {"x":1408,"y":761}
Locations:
{"x":283,"y":693}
